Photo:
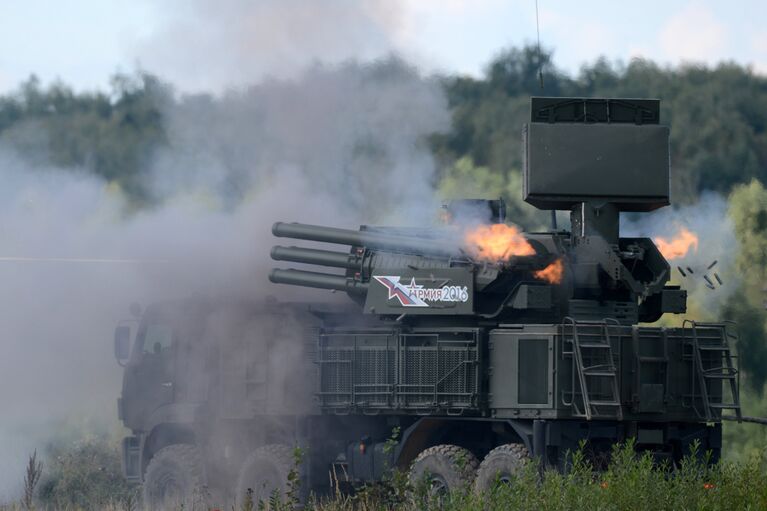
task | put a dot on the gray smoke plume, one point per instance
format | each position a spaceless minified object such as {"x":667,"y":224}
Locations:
{"x":205,"y":44}
{"x":355,"y":134}
{"x":708,"y":219}
{"x":338,"y":145}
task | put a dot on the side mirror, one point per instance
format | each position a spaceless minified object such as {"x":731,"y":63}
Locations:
{"x":122,"y":343}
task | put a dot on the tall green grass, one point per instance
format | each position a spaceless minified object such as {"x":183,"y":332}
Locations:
{"x":631,"y":481}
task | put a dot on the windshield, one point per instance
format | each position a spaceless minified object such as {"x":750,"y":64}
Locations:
{"x":158,"y":337}
{"x":165,"y":325}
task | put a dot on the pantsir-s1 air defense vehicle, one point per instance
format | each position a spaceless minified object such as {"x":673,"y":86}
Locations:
{"x":480,"y":345}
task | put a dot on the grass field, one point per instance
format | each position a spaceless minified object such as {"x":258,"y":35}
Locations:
{"x":631,"y":482}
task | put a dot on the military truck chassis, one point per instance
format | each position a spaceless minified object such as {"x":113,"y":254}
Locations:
{"x":389,"y":393}
{"x":343,"y":452}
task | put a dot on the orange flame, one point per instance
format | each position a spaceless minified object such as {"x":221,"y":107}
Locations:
{"x":497,"y":242}
{"x":553,"y":273}
{"x":679,"y":245}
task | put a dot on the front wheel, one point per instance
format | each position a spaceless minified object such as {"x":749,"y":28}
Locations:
{"x":174,"y":479}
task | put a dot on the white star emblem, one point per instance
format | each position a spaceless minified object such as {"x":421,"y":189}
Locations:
{"x":413,"y":287}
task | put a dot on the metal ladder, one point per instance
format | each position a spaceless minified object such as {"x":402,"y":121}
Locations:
{"x":602,"y":368}
{"x":718,"y":373}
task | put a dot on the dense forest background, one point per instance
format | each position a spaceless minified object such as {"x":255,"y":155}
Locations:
{"x":718,"y":119}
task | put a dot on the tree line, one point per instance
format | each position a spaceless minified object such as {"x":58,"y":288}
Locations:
{"x":718,"y":119}
{"x":717,"y":115}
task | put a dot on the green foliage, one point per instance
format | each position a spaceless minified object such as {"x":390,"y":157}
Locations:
{"x":718,"y":119}
{"x":744,"y":441}
{"x":293,"y":496}
{"x":31,"y":479}
{"x":112,"y":136}
{"x":748,"y":211}
{"x":85,"y":474}
{"x":393,"y":440}
{"x":752,"y":336}
{"x":718,"y":116}
{"x":464,"y":179}
{"x":631,"y":481}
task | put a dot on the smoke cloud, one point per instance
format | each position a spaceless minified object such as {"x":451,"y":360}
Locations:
{"x":338,"y":145}
{"x":206,"y":44}
{"x":709,"y":220}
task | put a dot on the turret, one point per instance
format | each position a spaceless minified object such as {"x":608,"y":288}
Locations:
{"x":594,"y":157}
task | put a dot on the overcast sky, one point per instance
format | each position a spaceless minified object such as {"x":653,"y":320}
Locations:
{"x":215,"y":44}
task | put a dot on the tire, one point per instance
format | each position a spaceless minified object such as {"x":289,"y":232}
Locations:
{"x":174,"y":478}
{"x":265,"y":474}
{"x":444,"y":468}
{"x":500,"y":465}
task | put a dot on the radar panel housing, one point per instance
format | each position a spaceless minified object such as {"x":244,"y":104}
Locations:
{"x":596,"y":150}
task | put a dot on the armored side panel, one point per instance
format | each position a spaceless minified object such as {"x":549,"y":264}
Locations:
{"x":387,"y":370}
{"x":602,"y":370}
{"x":521,"y":362}
{"x":579,"y":150}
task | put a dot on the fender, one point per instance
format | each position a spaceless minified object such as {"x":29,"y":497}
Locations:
{"x":176,"y":413}
{"x":413,"y":440}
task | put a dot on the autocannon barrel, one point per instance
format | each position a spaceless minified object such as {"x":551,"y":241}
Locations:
{"x":380,"y":241}
{"x":315,"y":256}
{"x":317,"y":280}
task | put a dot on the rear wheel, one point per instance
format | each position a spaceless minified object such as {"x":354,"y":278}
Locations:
{"x":444,"y":468}
{"x":266,"y":475}
{"x":501,"y":465}
{"x":174,"y":479}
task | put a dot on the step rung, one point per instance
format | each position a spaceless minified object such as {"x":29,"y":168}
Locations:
{"x":601,"y":345}
{"x":720,"y":370}
{"x":724,"y":406}
{"x":604,"y":403}
{"x":720,"y":376}
{"x":713,"y":348}
{"x":600,"y":367}
{"x":600,"y":374}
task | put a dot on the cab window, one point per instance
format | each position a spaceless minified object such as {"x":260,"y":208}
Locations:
{"x":158,"y":338}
